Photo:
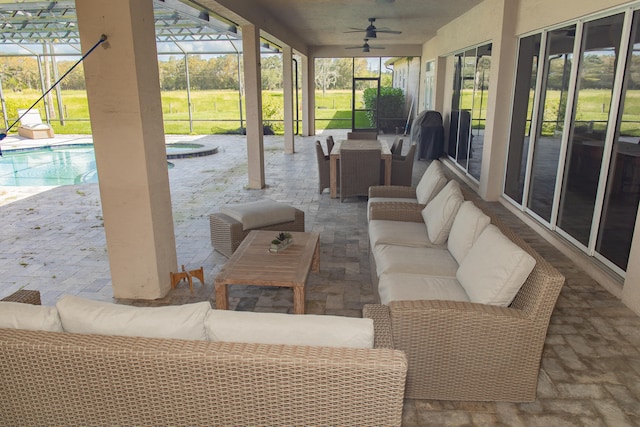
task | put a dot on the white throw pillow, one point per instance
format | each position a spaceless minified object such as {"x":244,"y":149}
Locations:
{"x":260,"y":213}
{"x":469,"y":223}
{"x":494,"y":269}
{"x":441,"y":211}
{"x":431,"y":182}
{"x":16,"y":315}
{"x":279,"y":328}
{"x":83,"y":316}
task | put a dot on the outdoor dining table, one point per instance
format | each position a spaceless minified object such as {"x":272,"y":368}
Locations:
{"x":357,"y":144}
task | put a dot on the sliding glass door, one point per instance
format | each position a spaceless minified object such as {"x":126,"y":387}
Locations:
{"x":574,"y":144}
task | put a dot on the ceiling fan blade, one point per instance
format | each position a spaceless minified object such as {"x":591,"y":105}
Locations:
{"x":388,"y":31}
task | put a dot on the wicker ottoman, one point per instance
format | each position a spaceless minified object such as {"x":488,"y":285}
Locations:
{"x":227,"y":233}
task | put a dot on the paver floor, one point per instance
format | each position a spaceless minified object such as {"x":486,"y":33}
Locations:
{"x":54,"y":241}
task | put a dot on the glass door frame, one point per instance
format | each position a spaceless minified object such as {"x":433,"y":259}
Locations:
{"x":355,"y":111}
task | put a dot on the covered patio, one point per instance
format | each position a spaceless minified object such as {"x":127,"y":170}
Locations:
{"x":54,"y":241}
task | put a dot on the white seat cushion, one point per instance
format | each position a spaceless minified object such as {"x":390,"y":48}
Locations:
{"x":260,"y":213}
{"x":16,"y":315}
{"x":403,"y":233}
{"x":494,"y":269}
{"x":405,"y":259}
{"x":432,"y":181}
{"x":416,"y":287}
{"x":441,"y":211}
{"x":469,"y":223}
{"x":279,"y":328}
{"x":83,"y":316}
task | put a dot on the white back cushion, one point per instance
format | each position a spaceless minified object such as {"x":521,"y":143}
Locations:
{"x":16,"y":315}
{"x":279,"y":328}
{"x":83,"y":316}
{"x":494,"y":269}
{"x":469,"y":223}
{"x":440,"y":212}
{"x":431,"y":182}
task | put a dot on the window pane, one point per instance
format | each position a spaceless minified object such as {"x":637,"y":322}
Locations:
{"x":479,"y":109}
{"x":623,"y":187}
{"x":550,"y":127}
{"x":601,"y":41}
{"x":527,"y":69}
{"x":452,"y":146}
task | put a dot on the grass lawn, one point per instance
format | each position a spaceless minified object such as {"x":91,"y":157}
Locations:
{"x":218,"y":111}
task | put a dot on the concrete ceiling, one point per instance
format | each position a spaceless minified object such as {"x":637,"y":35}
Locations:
{"x":310,"y":24}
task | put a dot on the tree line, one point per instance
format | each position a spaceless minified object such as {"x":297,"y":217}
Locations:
{"x":215,"y":72}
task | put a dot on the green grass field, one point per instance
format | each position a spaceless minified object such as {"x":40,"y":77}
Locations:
{"x":219,"y":111}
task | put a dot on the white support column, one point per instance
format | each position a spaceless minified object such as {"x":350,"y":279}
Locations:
{"x":308,"y":97}
{"x":123,"y":91}
{"x":496,"y":136}
{"x":287,"y":86}
{"x":253,"y":103}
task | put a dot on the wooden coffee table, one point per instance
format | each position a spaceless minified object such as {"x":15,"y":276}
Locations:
{"x":253,"y":264}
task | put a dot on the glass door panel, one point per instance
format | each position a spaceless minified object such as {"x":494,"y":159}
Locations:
{"x":524,"y":96}
{"x":479,"y":109}
{"x":559,"y":56}
{"x":601,"y":44}
{"x":623,"y":185}
{"x":466,"y":104}
{"x":454,"y":121}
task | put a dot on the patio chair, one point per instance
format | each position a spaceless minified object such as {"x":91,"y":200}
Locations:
{"x":359,"y":170}
{"x":330,"y":144}
{"x":323,"y":168}
{"x":396,"y":148}
{"x":31,"y":125}
{"x":402,"y":168}
{"x":362,"y":135}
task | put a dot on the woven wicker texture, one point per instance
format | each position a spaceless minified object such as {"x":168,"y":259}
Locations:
{"x":359,"y":170}
{"x":323,"y":168}
{"x":474,"y":352}
{"x":24,"y":296}
{"x":402,"y":167}
{"x":381,"y":324}
{"x":72,"y":379}
{"x":392,"y":191}
{"x":227,"y":233}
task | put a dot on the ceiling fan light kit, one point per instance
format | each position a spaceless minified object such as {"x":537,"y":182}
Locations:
{"x":371,"y":33}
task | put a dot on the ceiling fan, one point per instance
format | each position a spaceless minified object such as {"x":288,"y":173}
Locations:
{"x":371,"y":30}
{"x":365,"y":47}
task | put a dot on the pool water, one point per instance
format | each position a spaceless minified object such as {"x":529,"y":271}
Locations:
{"x":53,"y":166}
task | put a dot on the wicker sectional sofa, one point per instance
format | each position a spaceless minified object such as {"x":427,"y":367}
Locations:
{"x":459,"y":346}
{"x":63,"y":378}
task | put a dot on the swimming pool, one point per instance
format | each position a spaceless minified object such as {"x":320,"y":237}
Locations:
{"x":64,"y":165}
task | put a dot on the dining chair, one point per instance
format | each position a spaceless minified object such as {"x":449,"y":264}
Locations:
{"x":362,"y":135}
{"x":359,"y":170}
{"x":323,"y":168}
{"x":330,"y":144}
{"x":402,"y":168}
{"x":396,"y":148}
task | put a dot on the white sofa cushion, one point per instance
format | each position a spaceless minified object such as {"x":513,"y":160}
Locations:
{"x":470,"y":221}
{"x":403,"y":233}
{"x":416,"y":287}
{"x":260,"y":213}
{"x":83,"y":316}
{"x":441,"y":211}
{"x":405,"y":259}
{"x":494,"y":269}
{"x":16,"y":315}
{"x":432,"y":181}
{"x":279,"y":328}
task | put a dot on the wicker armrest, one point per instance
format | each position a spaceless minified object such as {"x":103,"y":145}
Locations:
{"x":381,"y":324}
{"x":396,"y":211}
{"x":398,"y":191}
{"x":24,"y":296}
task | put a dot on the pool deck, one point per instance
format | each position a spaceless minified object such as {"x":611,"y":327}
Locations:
{"x":54,"y":241}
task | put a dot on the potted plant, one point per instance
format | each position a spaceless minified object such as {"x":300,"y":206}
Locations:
{"x":282,"y":241}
